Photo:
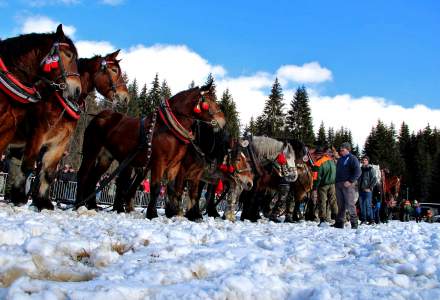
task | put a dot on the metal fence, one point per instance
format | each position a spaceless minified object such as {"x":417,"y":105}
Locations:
{"x":65,"y":192}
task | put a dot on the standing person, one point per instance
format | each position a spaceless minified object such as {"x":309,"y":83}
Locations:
{"x":324,"y":173}
{"x":377,"y":203}
{"x":347,"y":173}
{"x":407,"y":210}
{"x":417,"y":211}
{"x":366,"y":184}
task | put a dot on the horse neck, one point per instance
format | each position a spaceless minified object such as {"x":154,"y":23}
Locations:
{"x":25,"y":64}
{"x":87,"y":70}
{"x":183,"y":110}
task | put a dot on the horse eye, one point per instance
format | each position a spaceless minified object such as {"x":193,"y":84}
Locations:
{"x":115,"y":70}
{"x":69,"y":54}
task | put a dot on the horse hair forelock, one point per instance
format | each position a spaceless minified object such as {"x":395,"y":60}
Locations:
{"x":266,"y":147}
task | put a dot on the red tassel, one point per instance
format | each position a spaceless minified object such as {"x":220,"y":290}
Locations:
{"x":54,"y":63}
{"x":223,"y":168}
{"x":47,"y":67}
{"x":219,"y":187}
{"x":197,"y":109}
{"x":205,"y":106}
{"x":281,"y":159}
{"x":231,"y":169}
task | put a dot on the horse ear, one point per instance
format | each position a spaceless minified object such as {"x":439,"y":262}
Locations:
{"x":60,"y":33}
{"x":112,"y":56}
{"x":207,"y":88}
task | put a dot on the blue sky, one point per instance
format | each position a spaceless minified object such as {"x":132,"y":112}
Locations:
{"x":388,"y":50}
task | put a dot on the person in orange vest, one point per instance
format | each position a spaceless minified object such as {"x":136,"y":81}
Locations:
{"x":407,"y":210}
{"x":324,"y":175}
{"x":429,"y":216}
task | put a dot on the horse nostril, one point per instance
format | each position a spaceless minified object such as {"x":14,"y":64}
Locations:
{"x":250,"y":185}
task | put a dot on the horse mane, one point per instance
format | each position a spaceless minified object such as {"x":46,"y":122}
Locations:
{"x":266,"y":147}
{"x":298,"y":146}
{"x":83,"y":63}
{"x":24,"y":43}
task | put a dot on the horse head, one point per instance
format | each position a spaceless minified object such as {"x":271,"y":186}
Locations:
{"x":60,"y":66}
{"x":241,"y":163}
{"x":207,"y":109}
{"x":109,"y":80}
{"x":289,"y":153}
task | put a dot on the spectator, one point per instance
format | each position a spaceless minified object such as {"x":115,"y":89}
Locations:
{"x":4,"y":164}
{"x":366,"y":184}
{"x":407,"y":210}
{"x":324,"y":171}
{"x":417,"y":211}
{"x":429,"y":216}
{"x":347,"y":173}
{"x":377,"y":203}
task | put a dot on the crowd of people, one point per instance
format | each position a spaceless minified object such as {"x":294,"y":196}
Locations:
{"x":350,"y":186}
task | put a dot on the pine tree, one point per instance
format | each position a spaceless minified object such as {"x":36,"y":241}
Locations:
{"x":251,"y":128}
{"x":154,"y":95}
{"x":321,"y":138}
{"x":299,"y":117}
{"x":133,"y":105}
{"x":210,"y":79}
{"x":231,"y":115}
{"x":271,"y":122}
{"x":331,"y":137}
{"x":192,"y":85}
{"x":144,"y":104}
{"x":165,"y":90}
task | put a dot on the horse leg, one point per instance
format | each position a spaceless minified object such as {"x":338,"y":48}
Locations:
{"x":157,"y":171}
{"x":172,"y":206}
{"x":16,"y":179}
{"x":290,"y":206}
{"x":210,"y":202}
{"x":124,"y":188}
{"x":171,"y":182}
{"x":193,"y":208}
{"x":234,"y":193}
{"x":47,"y":174}
{"x":129,"y":199}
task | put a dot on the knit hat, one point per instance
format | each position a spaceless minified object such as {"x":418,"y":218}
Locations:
{"x":345,"y":145}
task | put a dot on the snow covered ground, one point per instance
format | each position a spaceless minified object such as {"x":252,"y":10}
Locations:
{"x":88,"y":255}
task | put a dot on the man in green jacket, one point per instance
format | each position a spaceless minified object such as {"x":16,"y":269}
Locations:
{"x":324,"y":174}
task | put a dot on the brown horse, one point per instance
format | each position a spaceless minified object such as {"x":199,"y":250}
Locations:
{"x":113,"y":136}
{"x":390,"y":187}
{"x":55,"y":129}
{"x":194,"y":169}
{"x":26,"y":57}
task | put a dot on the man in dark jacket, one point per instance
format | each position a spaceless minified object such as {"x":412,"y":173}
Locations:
{"x":366,"y":184}
{"x":348,"y":171}
{"x":324,"y":173}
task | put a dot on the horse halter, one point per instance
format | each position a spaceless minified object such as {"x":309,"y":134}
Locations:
{"x":53,"y":61}
{"x":113,"y":86}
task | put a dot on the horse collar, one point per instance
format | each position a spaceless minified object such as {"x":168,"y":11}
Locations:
{"x":170,"y":120}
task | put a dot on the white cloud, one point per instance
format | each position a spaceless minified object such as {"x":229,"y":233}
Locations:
{"x":361,"y":114}
{"x":112,"y":2}
{"x":178,"y":64}
{"x":91,"y":48}
{"x":41,"y":24}
{"x":307,"y":73}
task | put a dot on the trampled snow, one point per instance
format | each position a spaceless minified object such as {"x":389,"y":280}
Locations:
{"x":88,"y":255}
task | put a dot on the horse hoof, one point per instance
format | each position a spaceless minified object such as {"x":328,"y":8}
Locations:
{"x":213,"y":214}
{"x":46,"y":205}
{"x":152,"y":215}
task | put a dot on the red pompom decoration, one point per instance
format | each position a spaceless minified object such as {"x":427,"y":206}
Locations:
{"x":197,"y":109}
{"x":281,"y":159}
{"x":223,"y":168}
{"x":231,"y":169}
{"x":205,"y":106}
{"x":54,"y":63}
{"x":219,"y":187}
{"x":46,"y":67}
